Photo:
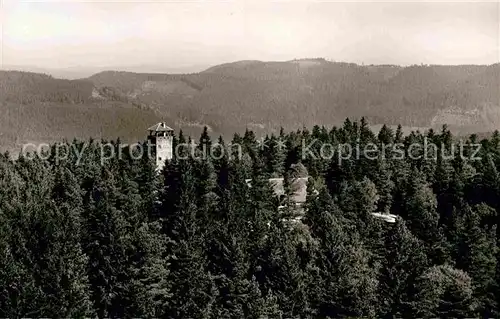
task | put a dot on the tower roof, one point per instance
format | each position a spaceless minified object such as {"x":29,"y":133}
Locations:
{"x":160,"y":127}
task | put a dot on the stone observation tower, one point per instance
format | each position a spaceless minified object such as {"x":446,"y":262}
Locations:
{"x":160,"y":137}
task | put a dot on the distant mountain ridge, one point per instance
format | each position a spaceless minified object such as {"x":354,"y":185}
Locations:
{"x":267,"y":95}
{"x":78,"y":72}
{"x":310,"y":91}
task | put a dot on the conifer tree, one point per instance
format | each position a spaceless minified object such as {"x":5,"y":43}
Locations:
{"x":106,"y":244}
{"x":238,"y":294}
{"x":286,"y":257}
{"x":205,"y":190}
{"x":398,"y":136}
{"x":192,"y":287}
{"x":205,"y":142}
{"x":69,"y":263}
{"x":18,"y":288}
{"x":261,"y":211}
{"x":475,"y":253}
{"x":403,"y":262}
{"x":386,"y":135}
{"x":444,"y":292}
{"x":422,"y":218}
{"x":45,"y":246}
{"x":275,"y":155}
{"x":348,"y":286}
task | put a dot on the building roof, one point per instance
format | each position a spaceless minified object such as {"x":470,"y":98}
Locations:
{"x":160,"y":127}
{"x":298,"y":188}
{"x":390,"y":218}
{"x":299,"y":194}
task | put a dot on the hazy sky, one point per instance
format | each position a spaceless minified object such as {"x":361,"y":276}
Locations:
{"x":183,"y":33}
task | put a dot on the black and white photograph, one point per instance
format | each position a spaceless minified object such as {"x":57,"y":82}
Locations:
{"x":216,"y":159}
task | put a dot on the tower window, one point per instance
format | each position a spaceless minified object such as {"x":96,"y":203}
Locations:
{"x":159,"y":158}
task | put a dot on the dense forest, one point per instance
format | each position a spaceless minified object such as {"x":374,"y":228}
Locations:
{"x":82,"y":237}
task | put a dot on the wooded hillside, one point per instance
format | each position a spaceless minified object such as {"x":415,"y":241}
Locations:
{"x":262,"y":96}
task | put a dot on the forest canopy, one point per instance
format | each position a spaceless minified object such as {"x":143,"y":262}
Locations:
{"x":81,"y":237}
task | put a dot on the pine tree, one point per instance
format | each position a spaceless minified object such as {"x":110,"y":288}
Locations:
{"x":281,"y":270}
{"x":398,"y":136}
{"x":69,"y":263}
{"x":192,"y":287}
{"x":205,"y":142}
{"x":239,"y":295}
{"x":404,"y":261}
{"x":261,"y":211}
{"x":106,"y":243}
{"x":422,"y":218}
{"x":275,"y":155}
{"x":444,"y":292}
{"x":475,"y":253}
{"x":205,"y":190}
{"x":45,"y":246}
{"x":18,"y":289}
{"x":386,"y":135}
{"x":148,"y":289}
{"x":348,"y":285}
